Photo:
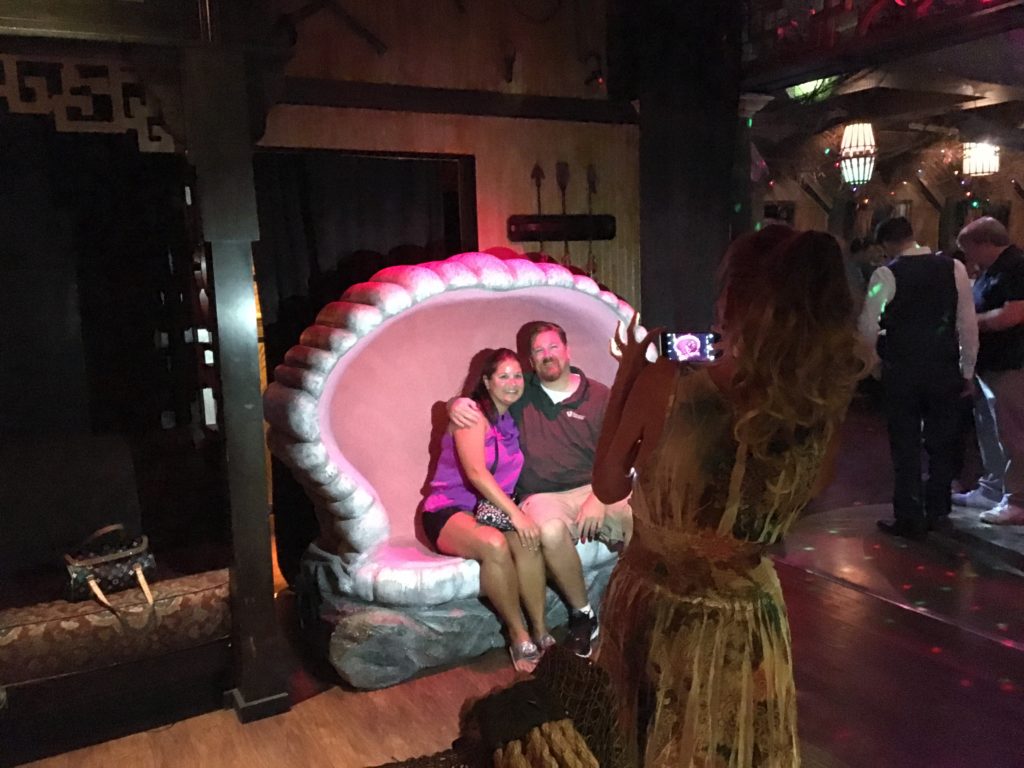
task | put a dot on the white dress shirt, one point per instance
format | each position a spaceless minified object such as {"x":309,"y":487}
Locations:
{"x":882,"y":288}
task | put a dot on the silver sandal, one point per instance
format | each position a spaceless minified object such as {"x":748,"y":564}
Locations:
{"x":525,"y":656}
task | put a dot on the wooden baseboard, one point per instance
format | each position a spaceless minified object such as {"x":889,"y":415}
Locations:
{"x":49,"y":717}
{"x":257,"y":709}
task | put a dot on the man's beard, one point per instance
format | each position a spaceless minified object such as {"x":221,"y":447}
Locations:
{"x":550,"y":374}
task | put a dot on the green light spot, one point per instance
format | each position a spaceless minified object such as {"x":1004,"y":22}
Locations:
{"x":758,"y":225}
{"x":946,"y":589}
{"x":813,"y":90}
{"x":975,"y":204}
{"x":750,"y":122}
{"x":828,"y":150}
{"x":920,"y":603}
{"x":737,"y":208}
{"x":875,"y":290}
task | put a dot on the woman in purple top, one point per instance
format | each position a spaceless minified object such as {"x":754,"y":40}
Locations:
{"x":479,"y":465}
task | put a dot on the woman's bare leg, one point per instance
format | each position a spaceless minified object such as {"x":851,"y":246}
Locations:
{"x":532,"y":582}
{"x":464,"y":537}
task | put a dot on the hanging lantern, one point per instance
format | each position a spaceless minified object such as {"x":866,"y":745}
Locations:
{"x":980,"y":159}
{"x":857,"y":153}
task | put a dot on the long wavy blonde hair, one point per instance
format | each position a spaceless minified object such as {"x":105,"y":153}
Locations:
{"x":787,"y":312}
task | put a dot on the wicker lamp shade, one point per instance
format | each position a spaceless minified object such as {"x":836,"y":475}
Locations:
{"x":857,"y":153}
{"x":980,"y":159}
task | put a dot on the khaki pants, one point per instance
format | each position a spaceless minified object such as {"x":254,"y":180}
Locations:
{"x":565,"y":505}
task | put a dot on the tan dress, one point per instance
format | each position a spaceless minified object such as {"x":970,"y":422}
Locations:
{"x":694,"y":628}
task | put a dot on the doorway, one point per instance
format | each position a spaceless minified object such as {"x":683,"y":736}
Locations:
{"x":329,"y":220}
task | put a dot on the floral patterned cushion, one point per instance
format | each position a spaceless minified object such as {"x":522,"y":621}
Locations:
{"x":58,"y":638}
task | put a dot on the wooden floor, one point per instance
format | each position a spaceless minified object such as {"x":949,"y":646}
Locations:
{"x":879,"y":685}
{"x":901,"y":660}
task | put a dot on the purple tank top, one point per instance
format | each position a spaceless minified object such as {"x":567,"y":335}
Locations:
{"x":449,"y":486}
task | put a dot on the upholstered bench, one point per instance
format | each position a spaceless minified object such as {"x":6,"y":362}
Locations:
{"x":353,"y":412}
{"x":72,"y":674}
{"x":48,"y":640}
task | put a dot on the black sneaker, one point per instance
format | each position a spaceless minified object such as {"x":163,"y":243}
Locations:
{"x":904,"y":528}
{"x":583,"y":630}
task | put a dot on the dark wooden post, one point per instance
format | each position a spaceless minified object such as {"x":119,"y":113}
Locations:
{"x":685,"y":62}
{"x":220,"y":146}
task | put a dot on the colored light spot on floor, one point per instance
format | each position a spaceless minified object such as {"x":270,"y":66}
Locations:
{"x":906,"y":587}
{"x":808,"y":549}
{"x":936,"y":649}
{"x":965,"y":683}
{"x":920,"y":603}
{"x":946,"y":589}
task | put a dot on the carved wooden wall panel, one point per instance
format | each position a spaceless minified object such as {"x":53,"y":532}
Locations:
{"x":84,"y":96}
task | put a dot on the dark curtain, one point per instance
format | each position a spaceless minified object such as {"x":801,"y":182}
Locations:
{"x":329,"y":220}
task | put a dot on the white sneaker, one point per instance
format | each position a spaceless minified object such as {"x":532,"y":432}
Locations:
{"x":975,"y":499}
{"x":1004,"y":514}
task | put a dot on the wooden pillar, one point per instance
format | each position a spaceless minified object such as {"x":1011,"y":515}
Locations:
{"x":220,"y":146}
{"x":688,"y":81}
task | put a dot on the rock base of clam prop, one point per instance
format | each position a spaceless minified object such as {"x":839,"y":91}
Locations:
{"x":375,"y":646}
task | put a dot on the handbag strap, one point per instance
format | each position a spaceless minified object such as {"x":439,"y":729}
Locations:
{"x":141,"y":578}
{"x":97,"y":590}
{"x":121,"y":554}
{"x":101,"y":532}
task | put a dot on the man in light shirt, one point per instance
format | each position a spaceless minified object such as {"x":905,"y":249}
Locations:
{"x":920,"y":311}
{"x":999,"y":408}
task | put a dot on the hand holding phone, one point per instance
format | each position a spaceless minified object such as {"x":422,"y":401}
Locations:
{"x":688,"y":346}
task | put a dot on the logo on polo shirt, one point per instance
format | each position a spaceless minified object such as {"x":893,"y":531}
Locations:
{"x":575,"y":415}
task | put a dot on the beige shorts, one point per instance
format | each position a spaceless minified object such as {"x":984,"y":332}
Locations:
{"x":565,"y":505}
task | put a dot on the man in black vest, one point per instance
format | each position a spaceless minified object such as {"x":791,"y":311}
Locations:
{"x":999,"y":410}
{"x":920,"y":310}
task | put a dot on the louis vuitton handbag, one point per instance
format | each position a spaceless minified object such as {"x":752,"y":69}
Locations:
{"x":108,"y":561}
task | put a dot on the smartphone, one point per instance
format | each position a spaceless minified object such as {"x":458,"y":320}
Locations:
{"x":688,"y":346}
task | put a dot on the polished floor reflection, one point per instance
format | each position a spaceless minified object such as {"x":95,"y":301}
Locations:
{"x":906,"y":653}
{"x":942,"y":578}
